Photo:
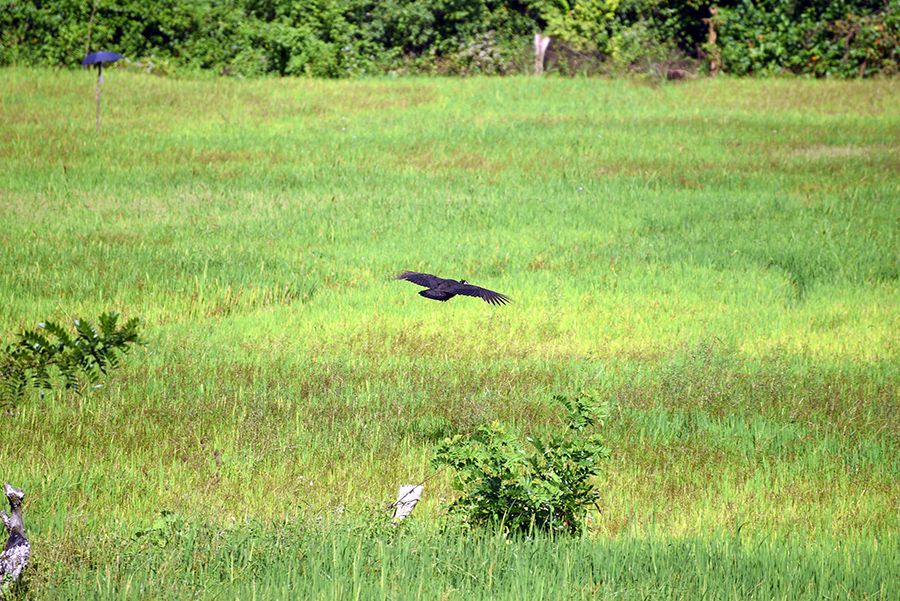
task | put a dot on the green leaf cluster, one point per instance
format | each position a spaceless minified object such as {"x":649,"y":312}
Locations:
{"x":835,"y":39}
{"x":585,"y":25}
{"x":49,"y":352}
{"x":546,"y":486}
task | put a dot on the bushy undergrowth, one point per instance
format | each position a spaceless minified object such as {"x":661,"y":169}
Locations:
{"x":547,"y":488}
{"x":836,"y":39}
{"x":350,"y":38}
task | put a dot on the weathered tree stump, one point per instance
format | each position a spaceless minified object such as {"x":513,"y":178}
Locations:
{"x":15,"y":555}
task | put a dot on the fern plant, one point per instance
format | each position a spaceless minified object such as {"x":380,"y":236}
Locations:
{"x":50,"y":351}
{"x":547,"y":487}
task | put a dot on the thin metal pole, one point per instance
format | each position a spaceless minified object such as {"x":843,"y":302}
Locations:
{"x":99,"y":81}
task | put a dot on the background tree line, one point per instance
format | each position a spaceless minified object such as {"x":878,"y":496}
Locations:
{"x":346,"y":38}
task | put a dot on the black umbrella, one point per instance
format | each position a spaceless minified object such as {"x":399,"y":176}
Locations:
{"x":98,"y":58}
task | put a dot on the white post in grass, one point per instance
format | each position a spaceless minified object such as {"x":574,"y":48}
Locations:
{"x":541,"y":42}
{"x":407,"y":498}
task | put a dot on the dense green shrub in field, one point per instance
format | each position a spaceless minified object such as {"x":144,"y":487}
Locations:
{"x":640,"y":49}
{"x":548,"y":488}
{"x":838,"y":39}
{"x":584,"y":24}
{"x":677,"y":22}
{"x":455,"y":36}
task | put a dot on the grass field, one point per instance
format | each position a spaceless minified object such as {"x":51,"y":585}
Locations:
{"x":719,"y":260}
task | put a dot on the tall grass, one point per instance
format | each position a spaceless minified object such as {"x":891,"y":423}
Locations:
{"x":365,"y":562}
{"x":719,"y":260}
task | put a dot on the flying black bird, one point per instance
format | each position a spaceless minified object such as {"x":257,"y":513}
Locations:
{"x":443,"y":290}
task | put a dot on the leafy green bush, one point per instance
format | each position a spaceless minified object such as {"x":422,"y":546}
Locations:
{"x":446,"y":36}
{"x":547,"y":489}
{"x":86,"y":355}
{"x":584,"y":25}
{"x":837,"y":39}
{"x":674,"y":22}
{"x":639,"y":49}
{"x":482,"y":55}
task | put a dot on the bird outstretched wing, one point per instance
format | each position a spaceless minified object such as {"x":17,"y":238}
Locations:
{"x":422,"y":279}
{"x":494,"y":298}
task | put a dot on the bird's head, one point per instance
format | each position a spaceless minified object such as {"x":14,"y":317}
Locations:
{"x":463,"y":282}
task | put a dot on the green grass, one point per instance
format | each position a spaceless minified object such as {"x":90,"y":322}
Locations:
{"x":719,"y":260}
{"x":361,"y":561}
